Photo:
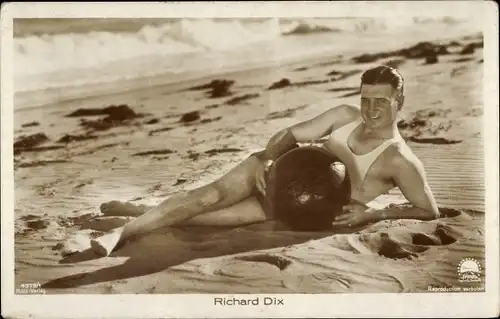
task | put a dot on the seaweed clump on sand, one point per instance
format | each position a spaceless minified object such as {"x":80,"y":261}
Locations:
{"x":68,"y":138}
{"x":284,"y":82}
{"x":422,"y":50}
{"x":31,"y":143}
{"x":115,"y":115}
{"x":216,"y":88}
{"x":190,"y":117}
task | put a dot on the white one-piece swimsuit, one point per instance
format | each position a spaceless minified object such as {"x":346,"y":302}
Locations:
{"x":357,"y":165}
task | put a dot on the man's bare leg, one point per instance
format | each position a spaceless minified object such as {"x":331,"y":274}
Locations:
{"x":247,"y":211}
{"x":228,"y":190}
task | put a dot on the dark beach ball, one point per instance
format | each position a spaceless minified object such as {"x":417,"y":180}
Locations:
{"x":307,"y":188}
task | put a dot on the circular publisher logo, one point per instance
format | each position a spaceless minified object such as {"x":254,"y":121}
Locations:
{"x":469,"y":270}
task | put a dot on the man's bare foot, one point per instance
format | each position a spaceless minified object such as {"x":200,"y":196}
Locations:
{"x":116,"y":208}
{"x":104,"y":245}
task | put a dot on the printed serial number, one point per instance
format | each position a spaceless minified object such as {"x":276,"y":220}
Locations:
{"x":30,"y":288}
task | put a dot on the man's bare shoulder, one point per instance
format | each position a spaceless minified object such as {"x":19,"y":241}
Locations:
{"x":402,"y":158}
{"x":349,"y":109}
{"x":343,"y":114}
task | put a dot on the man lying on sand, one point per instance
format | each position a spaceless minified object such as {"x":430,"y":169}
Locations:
{"x":366,"y":139}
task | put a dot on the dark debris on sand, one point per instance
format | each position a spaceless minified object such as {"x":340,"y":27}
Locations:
{"x":190,"y":117}
{"x":152,"y":121}
{"x":210,"y":120}
{"x":415,"y":122}
{"x":335,"y":60}
{"x":40,"y":163}
{"x":421,"y":118}
{"x":242,"y":98}
{"x":280,"y":114}
{"x":343,"y":89}
{"x":30,"y":124}
{"x":160,"y":158}
{"x":285,"y":113}
{"x":428,"y":51}
{"x":433,"y":140}
{"x":155,"y":152}
{"x":116,"y":115}
{"x":37,"y":149}
{"x":31,"y":140}
{"x":179,"y":181}
{"x":82,"y":184}
{"x":76,"y":220}
{"x":192,"y":155}
{"x":101,"y":147}
{"x":421,"y":124}
{"x":310,"y":82}
{"x":31,"y":143}
{"x":38,"y":224}
{"x":215,"y":151}
{"x":471,"y":48}
{"x":367,"y":58}
{"x":165,"y":129}
{"x":29,"y":217}
{"x":99,"y":125}
{"x":454,"y":44}
{"x":425,"y":50}
{"x":426,"y":113}
{"x":284,"y":82}
{"x":302,"y":68}
{"x":333,"y":75}
{"x":68,"y":138}
{"x":460,"y":60}
{"x":121,"y":111}
{"x":431,"y":59}
{"x":34,"y":222}
{"x":218,"y":88}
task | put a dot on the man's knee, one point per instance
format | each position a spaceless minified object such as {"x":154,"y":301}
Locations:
{"x":212,"y":195}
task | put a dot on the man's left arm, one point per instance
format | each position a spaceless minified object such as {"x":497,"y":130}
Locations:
{"x":409,"y":176}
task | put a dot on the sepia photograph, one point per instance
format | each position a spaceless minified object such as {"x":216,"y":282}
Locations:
{"x":248,"y":158}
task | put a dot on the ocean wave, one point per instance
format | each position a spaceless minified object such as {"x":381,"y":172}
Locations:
{"x":51,"y":46}
{"x":302,"y":28}
{"x":39,"y":52}
{"x":35,"y":54}
{"x":52,"y":53}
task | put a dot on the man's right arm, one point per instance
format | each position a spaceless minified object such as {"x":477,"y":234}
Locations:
{"x":309,"y":130}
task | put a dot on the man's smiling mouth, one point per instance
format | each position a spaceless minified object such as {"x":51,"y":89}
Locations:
{"x":374,"y":115}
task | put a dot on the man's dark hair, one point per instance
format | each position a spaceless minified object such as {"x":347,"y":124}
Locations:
{"x":384,"y":75}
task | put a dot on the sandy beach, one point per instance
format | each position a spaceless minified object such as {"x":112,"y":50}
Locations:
{"x":141,"y":145}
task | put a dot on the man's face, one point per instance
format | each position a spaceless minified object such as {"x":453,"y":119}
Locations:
{"x":379,"y":104}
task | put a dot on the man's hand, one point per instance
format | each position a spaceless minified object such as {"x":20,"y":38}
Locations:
{"x":260,"y":176}
{"x":354,"y":214}
{"x":305,"y":131}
